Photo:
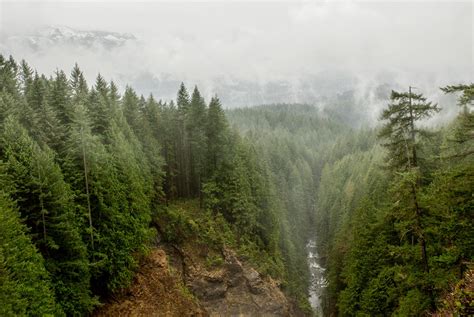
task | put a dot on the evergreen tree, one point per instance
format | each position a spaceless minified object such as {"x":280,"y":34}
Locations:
{"x":39,"y":117}
{"x":79,"y":149}
{"x":78,"y":85}
{"x":59,"y":97}
{"x":8,"y":75}
{"x":183,"y":146}
{"x":464,"y":132}
{"x":131,"y":110}
{"x":169,"y":137}
{"x":400,"y":131}
{"x":99,"y":109}
{"x":8,"y":107}
{"x":47,"y":203}
{"x":216,"y":132}
{"x":26,"y":77}
{"x":196,"y":124}
{"x":402,"y":136}
{"x":84,"y":170}
{"x":150,"y":137}
{"x":25,"y":285}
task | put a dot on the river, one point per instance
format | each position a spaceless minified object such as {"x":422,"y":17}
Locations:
{"x":318,"y":282}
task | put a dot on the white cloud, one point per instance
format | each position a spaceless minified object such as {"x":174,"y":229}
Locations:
{"x":419,"y":43}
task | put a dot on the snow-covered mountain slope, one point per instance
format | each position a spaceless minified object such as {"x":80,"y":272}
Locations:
{"x":47,"y":36}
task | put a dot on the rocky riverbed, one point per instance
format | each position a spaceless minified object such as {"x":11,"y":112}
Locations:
{"x":318,"y":282}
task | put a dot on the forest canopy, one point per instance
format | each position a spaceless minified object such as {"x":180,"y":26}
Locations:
{"x":89,"y":175}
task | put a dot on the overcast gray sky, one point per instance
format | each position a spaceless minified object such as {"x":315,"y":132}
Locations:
{"x":425,"y":42}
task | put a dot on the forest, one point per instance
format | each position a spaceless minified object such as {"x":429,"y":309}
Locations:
{"x":395,"y":216}
{"x":90,"y":175}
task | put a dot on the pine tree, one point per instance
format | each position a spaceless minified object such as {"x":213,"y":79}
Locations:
{"x":39,"y":117}
{"x":151,"y":139}
{"x":8,"y":75}
{"x":402,"y":136}
{"x":25,"y":285}
{"x":196,"y":125}
{"x":134,"y":175}
{"x":400,"y":131}
{"x":80,"y":146}
{"x":114,"y":102}
{"x":8,"y":107}
{"x":131,"y":110}
{"x":216,"y":132}
{"x":183,"y":155}
{"x":97,"y":175}
{"x":78,"y":85}
{"x":99,"y":109}
{"x":26,"y":77}
{"x":464,"y":133}
{"x":59,"y":98}
{"x":170,"y":140}
{"x":46,"y":201}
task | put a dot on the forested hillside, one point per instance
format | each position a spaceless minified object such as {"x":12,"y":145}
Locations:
{"x":390,"y":208}
{"x":294,"y":141}
{"x":91,"y":178}
{"x":395,"y":217}
{"x":84,"y":171}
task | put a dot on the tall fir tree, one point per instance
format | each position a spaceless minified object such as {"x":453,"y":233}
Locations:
{"x":196,"y":125}
{"x":46,"y":201}
{"x":403,"y":136}
{"x":183,"y":149}
{"x":25,"y":285}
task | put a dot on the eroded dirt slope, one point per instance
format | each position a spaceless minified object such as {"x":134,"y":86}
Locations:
{"x":179,"y":282}
{"x":156,"y":291}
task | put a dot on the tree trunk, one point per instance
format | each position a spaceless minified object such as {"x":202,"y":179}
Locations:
{"x":43,"y":216}
{"x":87,"y":190}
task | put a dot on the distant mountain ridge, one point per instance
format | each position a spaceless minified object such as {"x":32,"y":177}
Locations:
{"x":105,"y":51}
{"x":46,"y":36}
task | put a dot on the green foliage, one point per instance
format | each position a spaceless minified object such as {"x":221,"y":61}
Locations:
{"x":46,"y":202}
{"x":414,"y":303}
{"x":291,"y":143}
{"x":85,"y":171}
{"x":185,"y":221}
{"x":25,"y":285}
{"x":458,"y":301}
{"x":174,"y":226}
{"x":214,"y":261}
{"x":399,"y":132}
{"x":397,"y":250}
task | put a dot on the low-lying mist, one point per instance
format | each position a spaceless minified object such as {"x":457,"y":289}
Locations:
{"x":248,"y":54}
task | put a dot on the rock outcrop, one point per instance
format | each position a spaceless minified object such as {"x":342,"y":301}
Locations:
{"x":236,"y":289}
{"x":177,"y":282}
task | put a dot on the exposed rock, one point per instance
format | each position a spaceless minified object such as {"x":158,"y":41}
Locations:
{"x":236,"y":289}
{"x":207,"y":290}
{"x":232,"y":288}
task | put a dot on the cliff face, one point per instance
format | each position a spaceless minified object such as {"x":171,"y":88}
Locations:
{"x":236,"y":289}
{"x":178,"y":282}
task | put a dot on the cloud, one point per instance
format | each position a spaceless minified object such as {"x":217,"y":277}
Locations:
{"x":257,"y":52}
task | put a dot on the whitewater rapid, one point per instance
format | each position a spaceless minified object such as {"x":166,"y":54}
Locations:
{"x":318,"y":282}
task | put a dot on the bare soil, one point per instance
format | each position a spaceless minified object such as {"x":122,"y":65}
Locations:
{"x":156,"y":291}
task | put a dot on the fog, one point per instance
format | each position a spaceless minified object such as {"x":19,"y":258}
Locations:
{"x":252,"y":53}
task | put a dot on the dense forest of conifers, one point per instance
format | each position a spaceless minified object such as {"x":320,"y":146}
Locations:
{"x":86,"y":174}
{"x":86,"y":178}
{"x":391,"y":207}
{"x":394,"y":215}
{"x":85,"y":170}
